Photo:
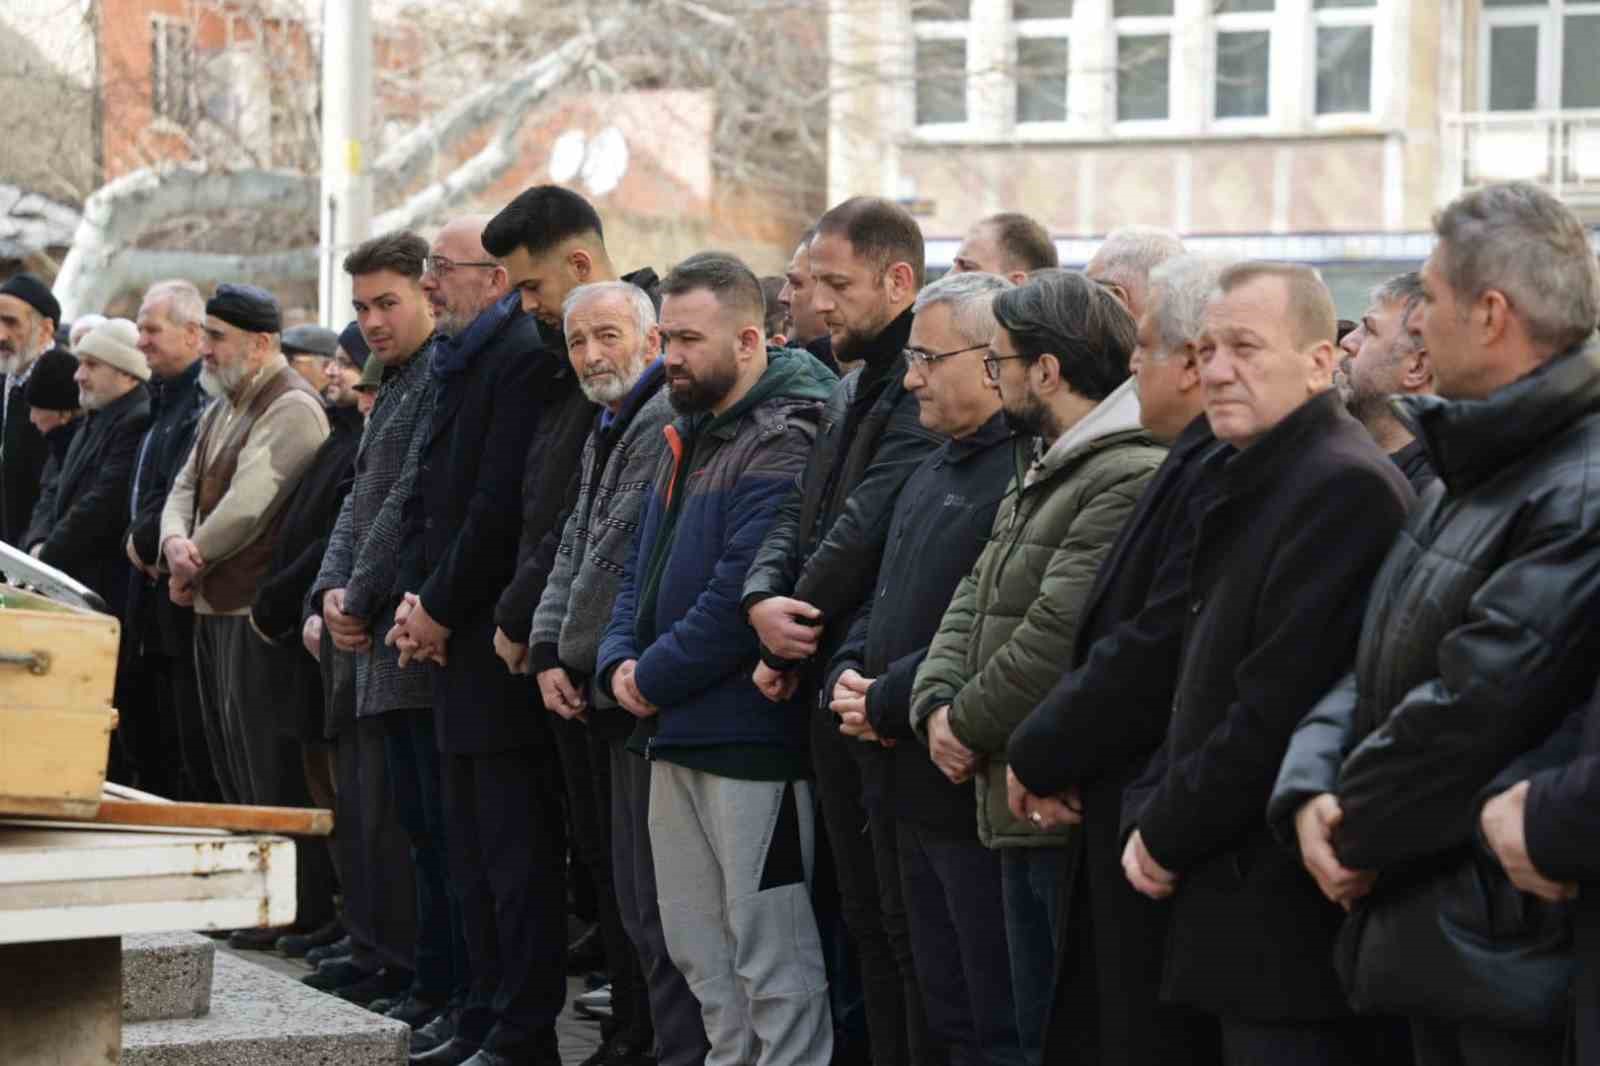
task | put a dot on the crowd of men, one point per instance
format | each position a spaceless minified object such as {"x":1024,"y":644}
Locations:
{"x":1126,"y":666}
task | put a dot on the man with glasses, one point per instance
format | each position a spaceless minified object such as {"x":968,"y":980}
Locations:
{"x":818,"y":565}
{"x":1060,"y":361}
{"x":309,"y":350}
{"x":950,"y":881}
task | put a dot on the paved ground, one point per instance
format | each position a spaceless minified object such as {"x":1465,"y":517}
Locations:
{"x":579,"y":1036}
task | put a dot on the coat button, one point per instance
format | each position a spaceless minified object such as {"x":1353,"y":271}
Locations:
{"x":1194,"y":608}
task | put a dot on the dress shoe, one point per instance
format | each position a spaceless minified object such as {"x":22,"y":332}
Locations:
{"x":336,"y":973}
{"x":255,"y":939}
{"x":437,"y":1032}
{"x":342,"y":946}
{"x":620,"y":1051}
{"x":389,"y":981}
{"x":586,"y":953}
{"x":413,"y":1011}
{"x":295,"y":945}
{"x":453,"y":1052}
{"x":595,"y":1004}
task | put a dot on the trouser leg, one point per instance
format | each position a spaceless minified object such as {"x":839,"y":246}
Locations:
{"x":891,"y":904}
{"x":630,"y":1002}
{"x":1437,"y":1043}
{"x":211,"y":678}
{"x":1030,"y":879}
{"x":1347,"y":1042}
{"x":411,"y":761}
{"x":838,"y":788}
{"x":954,"y":903}
{"x":674,"y":1010}
{"x":389,"y":872}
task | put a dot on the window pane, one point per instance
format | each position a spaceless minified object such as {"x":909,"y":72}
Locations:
{"x":935,"y":10}
{"x":1513,"y":68}
{"x":1041,"y":9}
{"x":1344,"y":69}
{"x":1041,"y":79}
{"x":1144,"y":69}
{"x":1319,"y":4}
{"x":1242,"y":61}
{"x":1225,"y":6}
{"x":1142,"y":7}
{"x":1580,"y":48}
{"x":941,"y":81}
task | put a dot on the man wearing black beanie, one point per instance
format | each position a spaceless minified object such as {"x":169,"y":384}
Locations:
{"x":28,"y":319}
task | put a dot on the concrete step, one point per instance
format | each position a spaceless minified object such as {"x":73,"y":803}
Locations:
{"x":165,"y":976}
{"x":261,"y":1018}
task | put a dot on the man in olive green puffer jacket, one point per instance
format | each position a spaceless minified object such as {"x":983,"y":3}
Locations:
{"x":1060,"y":362}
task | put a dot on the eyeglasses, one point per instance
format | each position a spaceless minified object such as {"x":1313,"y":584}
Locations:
{"x":991,"y":364}
{"x":923,"y":360}
{"x":440,"y":266}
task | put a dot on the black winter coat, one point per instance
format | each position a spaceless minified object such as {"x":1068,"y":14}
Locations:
{"x":88,"y":504}
{"x":827,"y":541}
{"x":160,"y":625}
{"x":1283,"y":558}
{"x":1096,"y":730}
{"x":22,"y":458}
{"x":58,"y":441}
{"x":496,"y":386}
{"x":940,"y":524}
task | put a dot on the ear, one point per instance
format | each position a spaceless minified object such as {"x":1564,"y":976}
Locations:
{"x":1188,"y":366}
{"x":1118,"y":293}
{"x":902,"y":281}
{"x":1017,"y":277}
{"x":652,"y":341}
{"x":1416,"y":370}
{"x":751,"y":341}
{"x":1048,"y":366}
{"x":1492,"y":313}
{"x":582,"y":265}
{"x":1321,"y":370}
{"x":499,"y":280}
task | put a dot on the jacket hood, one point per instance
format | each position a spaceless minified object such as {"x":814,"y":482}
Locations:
{"x":1117,"y":414}
{"x":1470,"y":440}
{"x":791,"y":374}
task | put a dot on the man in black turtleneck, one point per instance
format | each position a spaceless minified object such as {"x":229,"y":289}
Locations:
{"x":819,"y":564}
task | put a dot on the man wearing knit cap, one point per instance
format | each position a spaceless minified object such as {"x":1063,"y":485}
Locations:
{"x":220,"y":525}
{"x":53,"y":409}
{"x":28,"y":319}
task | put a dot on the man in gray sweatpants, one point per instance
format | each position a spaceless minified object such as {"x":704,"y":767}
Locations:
{"x":730,"y":818}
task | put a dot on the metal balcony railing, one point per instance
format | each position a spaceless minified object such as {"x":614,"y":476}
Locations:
{"x":1557,"y":149}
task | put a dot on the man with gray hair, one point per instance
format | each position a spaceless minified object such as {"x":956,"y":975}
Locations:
{"x":1383,"y":357}
{"x":1481,"y":636}
{"x":1090,"y":736}
{"x":1123,"y":263}
{"x":932,"y":856}
{"x":614,"y":346}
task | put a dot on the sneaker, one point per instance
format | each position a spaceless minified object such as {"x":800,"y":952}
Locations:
{"x":413,"y":1011}
{"x":595,"y":1004}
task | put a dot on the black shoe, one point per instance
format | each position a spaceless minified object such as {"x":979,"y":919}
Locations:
{"x":295,"y":945}
{"x":454,"y":1052}
{"x":339,"y":947}
{"x":255,"y":939}
{"x":586,"y":953}
{"x":413,"y":1011}
{"x":389,"y":981}
{"x":335,"y":974}
{"x":436,"y":1033}
{"x":385,"y":1004}
{"x":620,"y":1051}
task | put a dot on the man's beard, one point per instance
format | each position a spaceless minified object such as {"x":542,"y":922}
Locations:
{"x":13,"y":360}
{"x":1363,"y":404}
{"x":857,"y":340}
{"x":223,"y":381}
{"x":607,"y":389}
{"x":1030,"y":418}
{"x":690,"y":395}
{"x":89,"y":401}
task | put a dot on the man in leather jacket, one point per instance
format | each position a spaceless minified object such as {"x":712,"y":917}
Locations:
{"x":1479,"y":635}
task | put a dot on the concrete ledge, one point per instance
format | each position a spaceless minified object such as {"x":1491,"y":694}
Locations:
{"x":165,"y":976}
{"x":260,"y":1018}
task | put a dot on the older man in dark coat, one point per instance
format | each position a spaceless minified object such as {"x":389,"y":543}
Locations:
{"x":1276,"y":594}
{"x":29,"y":315}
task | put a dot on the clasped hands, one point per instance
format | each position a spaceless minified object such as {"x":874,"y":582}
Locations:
{"x":790,"y":629}
{"x":849,"y":702}
{"x":185,"y":562}
{"x":419,"y":638}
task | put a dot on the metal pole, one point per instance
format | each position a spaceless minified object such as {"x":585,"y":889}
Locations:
{"x":346,"y":132}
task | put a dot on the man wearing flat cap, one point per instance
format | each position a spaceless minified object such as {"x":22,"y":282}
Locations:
{"x":86,"y":506}
{"x":309,"y":350}
{"x":220,"y":525}
{"x":28,"y":319}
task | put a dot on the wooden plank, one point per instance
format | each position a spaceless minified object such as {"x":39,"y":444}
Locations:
{"x":293,"y":821}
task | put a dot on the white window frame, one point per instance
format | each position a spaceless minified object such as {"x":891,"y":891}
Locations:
{"x":1550,"y":18}
{"x":1049,"y":29}
{"x":1146,"y":26}
{"x":1379,"y":18}
{"x":1271,"y":23}
{"x":942,"y":30}
{"x":161,"y":27}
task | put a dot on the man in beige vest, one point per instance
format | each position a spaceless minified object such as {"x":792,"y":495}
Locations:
{"x":220,"y":525}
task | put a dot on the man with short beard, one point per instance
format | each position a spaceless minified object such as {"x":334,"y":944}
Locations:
{"x":1384,"y":356}
{"x":731,"y":815}
{"x":28,"y":318}
{"x":818,"y":563}
{"x":160,"y":633}
{"x":613,"y":343}
{"x":84,"y":507}
{"x":393,"y":738}
{"x":806,"y":328}
{"x":219,"y":528}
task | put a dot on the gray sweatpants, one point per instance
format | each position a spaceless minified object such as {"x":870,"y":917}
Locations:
{"x":733,"y":865}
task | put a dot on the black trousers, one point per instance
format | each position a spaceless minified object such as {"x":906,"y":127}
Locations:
{"x":953,"y":901}
{"x":1465,"y":1044}
{"x":506,"y":838}
{"x":586,"y":770}
{"x":867,"y":865}
{"x":1348,"y":1042}
{"x":380,"y":898}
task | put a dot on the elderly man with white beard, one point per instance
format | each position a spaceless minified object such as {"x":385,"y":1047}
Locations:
{"x":28,"y":318}
{"x":220,"y":525}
